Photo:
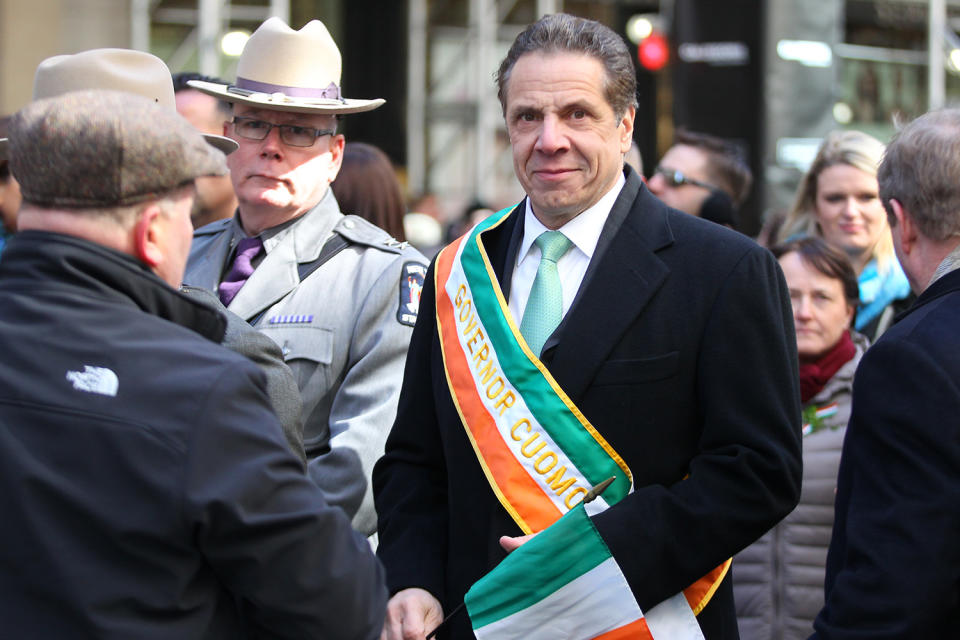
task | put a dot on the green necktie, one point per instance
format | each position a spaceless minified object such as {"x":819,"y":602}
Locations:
{"x":545,"y":304}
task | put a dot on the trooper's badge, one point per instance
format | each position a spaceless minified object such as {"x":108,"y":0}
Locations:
{"x":411,"y":286}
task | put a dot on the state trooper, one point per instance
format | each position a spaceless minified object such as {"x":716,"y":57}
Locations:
{"x":337,"y":293}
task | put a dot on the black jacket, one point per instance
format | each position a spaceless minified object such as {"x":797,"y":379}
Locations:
{"x":893,"y":568}
{"x":145,"y":486}
{"x":679,"y":349}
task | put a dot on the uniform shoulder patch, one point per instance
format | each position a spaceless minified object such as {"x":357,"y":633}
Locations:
{"x":411,"y":286}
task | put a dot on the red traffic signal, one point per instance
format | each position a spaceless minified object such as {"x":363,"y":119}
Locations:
{"x":653,"y":53}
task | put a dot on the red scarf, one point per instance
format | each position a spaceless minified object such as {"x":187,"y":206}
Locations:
{"x":815,"y":375}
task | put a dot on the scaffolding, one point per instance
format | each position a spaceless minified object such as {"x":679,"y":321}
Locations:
{"x":207,"y":23}
{"x":456,"y":141}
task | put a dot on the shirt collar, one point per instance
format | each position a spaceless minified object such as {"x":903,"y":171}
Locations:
{"x":583,"y":231}
{"x":948,"y":264}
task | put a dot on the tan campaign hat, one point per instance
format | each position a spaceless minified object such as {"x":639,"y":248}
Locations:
{"x":87,"y":149}
{"x":114,"y":70}
{"x":286,"y":70}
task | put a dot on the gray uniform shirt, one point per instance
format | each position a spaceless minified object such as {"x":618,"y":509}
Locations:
{"x":344,"y":331}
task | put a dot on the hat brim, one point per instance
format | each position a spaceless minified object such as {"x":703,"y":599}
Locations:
{"x":221,"y":143}
{"x":282,"y":102}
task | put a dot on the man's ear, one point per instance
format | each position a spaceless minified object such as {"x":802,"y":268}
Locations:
{"x":626,"y":128}
{"x":337,"y":144}
{"x":905,"y":230}
{"x":146,"y":237}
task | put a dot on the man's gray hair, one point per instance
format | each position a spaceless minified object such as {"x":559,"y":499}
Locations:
{"x":565,"y":33}
{"x":921,"y":170}
{"x":126,"y":215}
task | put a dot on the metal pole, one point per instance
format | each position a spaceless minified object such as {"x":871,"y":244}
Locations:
{"x":208,"y":28}
{"x":416,"y":97}
{"x":280,"y":9}
{"x":484,"y":26}
{"x":548,"y":6}
{"x":936,"y":93}
{"x":140,"y":25}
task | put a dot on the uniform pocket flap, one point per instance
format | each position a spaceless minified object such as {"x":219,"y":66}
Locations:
{"x":302,"y":342}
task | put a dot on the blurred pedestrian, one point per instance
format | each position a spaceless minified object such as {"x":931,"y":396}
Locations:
{"x":838,"y":200}
{"x":703,"y":175}
{"x":778,"y":580}
{"x":9,"y":190}
{"x":367,"y":186}
{"x":215,"y":197}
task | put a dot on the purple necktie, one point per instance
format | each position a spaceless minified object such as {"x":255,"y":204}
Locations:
{"x":247,"y":250}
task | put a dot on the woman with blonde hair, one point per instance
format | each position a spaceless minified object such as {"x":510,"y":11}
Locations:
{"x":838,"y":200}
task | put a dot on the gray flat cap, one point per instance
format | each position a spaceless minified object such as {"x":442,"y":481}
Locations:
{"x":88,"y":149}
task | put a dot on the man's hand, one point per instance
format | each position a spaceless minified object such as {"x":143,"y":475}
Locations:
{"x":411,"y":615}
{"x":510,"y":544}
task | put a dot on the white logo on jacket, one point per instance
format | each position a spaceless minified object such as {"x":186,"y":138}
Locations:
{"x":94,"y":380}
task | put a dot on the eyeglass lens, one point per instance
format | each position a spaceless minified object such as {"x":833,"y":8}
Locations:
{"x":294,"y":135}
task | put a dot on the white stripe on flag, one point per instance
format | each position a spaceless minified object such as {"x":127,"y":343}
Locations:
{"x":598,"y":601}
{"x":673,"y":619}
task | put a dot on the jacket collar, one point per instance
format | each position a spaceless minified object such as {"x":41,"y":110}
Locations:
{"x":60,"y":260}
{"x":623,"y":276}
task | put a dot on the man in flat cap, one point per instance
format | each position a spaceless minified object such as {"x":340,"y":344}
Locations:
{"x":146,"y":75}
{"x":338,"y":294}
{"x":147,"y":491}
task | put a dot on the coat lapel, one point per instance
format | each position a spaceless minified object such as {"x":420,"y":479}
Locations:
{"x":625,"y":276}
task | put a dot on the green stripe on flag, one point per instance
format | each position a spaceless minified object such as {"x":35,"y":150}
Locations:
{"x":555,"y":557}
{"x":561,"y":424}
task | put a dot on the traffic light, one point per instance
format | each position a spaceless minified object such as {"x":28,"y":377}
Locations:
{"x":653,"y":49}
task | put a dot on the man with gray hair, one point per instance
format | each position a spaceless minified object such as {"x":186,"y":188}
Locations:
{"x":588,"y":340}
{"x":893,"y":569}
{"x":146,"y":488}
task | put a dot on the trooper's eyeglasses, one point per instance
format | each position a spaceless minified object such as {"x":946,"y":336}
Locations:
{"x":292,"y":134}
{"x":676,"y":178}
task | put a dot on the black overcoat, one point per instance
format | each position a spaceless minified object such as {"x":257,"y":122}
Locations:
{"x":680,"y":349}
{"x":893,"y":568}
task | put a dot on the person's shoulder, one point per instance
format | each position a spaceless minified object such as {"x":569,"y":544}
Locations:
{"x":698,"y":231}
{"x":212,"y":229}
{"x":930,"y":323}
{"x":359,"y":231}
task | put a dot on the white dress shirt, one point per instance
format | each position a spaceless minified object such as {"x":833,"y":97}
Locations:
{"x":583,"y":231}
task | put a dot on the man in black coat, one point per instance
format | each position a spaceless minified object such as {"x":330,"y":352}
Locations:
{"x":893,"y":569}
{"x":145,"y":485}
{"x":678,"y":348}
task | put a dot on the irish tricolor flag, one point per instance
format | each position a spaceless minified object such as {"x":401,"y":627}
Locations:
{"x":563,"y":583}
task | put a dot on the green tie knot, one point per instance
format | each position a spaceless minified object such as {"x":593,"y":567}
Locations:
{"x":544,"y":308}
{"x":553,"y":244}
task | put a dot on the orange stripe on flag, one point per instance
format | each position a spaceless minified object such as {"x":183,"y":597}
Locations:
{"x":635,"y":630}
{"x":699,"y":593}
{"x":516,"y":485}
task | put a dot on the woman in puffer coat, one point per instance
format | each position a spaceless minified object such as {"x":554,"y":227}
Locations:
{"x":778,"y":580}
